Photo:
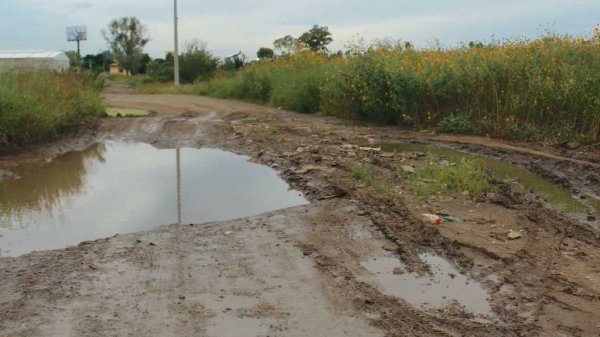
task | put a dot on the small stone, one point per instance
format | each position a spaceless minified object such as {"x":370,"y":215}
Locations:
{"x":408,"y":169}
{"x":390,"y":247}
{"x":514,"y":235}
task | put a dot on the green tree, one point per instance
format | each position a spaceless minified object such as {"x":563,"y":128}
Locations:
{"x":97,"y":63}
{"x":162,"y":69}
{"x":285,"y":45}
{"x":265,"y":53}
{"x":74,"y":60}
{"x":126,"y":38}
{"x":317,"y":38}
{"x":197,"y":63}
{"x":142,"y":67}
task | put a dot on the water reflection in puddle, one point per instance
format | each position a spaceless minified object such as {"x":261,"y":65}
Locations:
{"x":446,"y":286}
{"x":120,"y":187}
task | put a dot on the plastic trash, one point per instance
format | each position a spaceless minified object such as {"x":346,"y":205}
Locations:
{"x":433,"y":218}
{"x":447,"y":218}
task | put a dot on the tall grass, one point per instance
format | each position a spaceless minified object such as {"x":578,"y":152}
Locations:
{"x":547,"y":88}
{"x":37,"y":106}
{"x":293,"y":83}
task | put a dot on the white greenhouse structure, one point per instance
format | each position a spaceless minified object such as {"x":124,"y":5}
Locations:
{"x":34,"y":59}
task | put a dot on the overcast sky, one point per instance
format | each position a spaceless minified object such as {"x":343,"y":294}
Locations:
{"x":232,"y":25}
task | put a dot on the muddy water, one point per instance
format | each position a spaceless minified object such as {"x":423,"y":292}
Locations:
{"x":121,"y":187}
{"x":553,"y":194}
{"x":445,"y":286}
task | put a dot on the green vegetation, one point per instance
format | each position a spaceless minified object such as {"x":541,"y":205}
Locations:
{"x":197,"y":63}
{"x":265,"y":53}
{"x":316,"y":39}
{"x":38,"y":106}
{"x":367,"y":176}
{"x":117,"y":112}
{"x":457,"y":124}
{"x":466,"y":177}
{"x":545,"y":89}
{"x":127,"y":37}
{"x":271,"y":131}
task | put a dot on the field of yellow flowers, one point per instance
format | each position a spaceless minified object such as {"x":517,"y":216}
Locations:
{"x":547,"y":88}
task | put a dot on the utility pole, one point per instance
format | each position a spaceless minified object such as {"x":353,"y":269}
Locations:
{"x":176,"y":56}
{"x":178,"y":155}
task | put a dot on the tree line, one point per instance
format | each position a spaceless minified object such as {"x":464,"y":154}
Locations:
{"x":126,"y":38}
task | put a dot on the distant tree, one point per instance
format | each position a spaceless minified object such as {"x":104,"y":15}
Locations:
{"x":317,"y":38}
{"x":142,"y":67}
{"x":162,"y":69}
{"x":126,"y":38}
{"x":265,"y":53}
{"x":74,"y":60}
{"x":474,"y":44}
{"x":97,"y":63}
{"x":196,"y":62}
{"x":285,"y":45}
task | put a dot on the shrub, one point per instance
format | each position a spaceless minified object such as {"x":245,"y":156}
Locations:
{"x":457,"y":124}
{"x":41,"y":105}
{"x":160,"y":70}
{"x":196,"y":63}
{"x":254,"y":86}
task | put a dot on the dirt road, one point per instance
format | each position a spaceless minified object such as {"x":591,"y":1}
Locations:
{"x":308,"y":271}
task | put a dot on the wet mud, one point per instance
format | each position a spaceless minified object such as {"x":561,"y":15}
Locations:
{"x":354,"y":262}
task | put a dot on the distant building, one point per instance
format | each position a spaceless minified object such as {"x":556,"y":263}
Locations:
{"x":34,"y":59}
{"x":115,"y":70}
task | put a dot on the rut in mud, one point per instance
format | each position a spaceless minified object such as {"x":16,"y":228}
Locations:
{"x":354,"y":262}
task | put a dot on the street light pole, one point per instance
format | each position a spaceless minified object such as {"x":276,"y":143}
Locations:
{"x":176,"y":56}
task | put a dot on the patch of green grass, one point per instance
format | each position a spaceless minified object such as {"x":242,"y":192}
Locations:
{"x":130,"y":81}
{"x":466,"y":177}
{"x":117,"y":112}
{"x":271,"y":131}
{"x":367,"y":176}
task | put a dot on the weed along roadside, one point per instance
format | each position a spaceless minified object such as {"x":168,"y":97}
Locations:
{"x":41,"y":106}
{"x":521,"y":90}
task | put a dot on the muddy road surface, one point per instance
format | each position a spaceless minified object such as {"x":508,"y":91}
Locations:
{"x":359,"y":260}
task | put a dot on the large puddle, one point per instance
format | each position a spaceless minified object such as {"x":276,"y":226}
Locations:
{"x":554,"y":195}
{"x":446,"y":286}
{"x":122,"y":187}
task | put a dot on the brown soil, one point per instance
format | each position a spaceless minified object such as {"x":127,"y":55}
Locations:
{"x":297,"y":272}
